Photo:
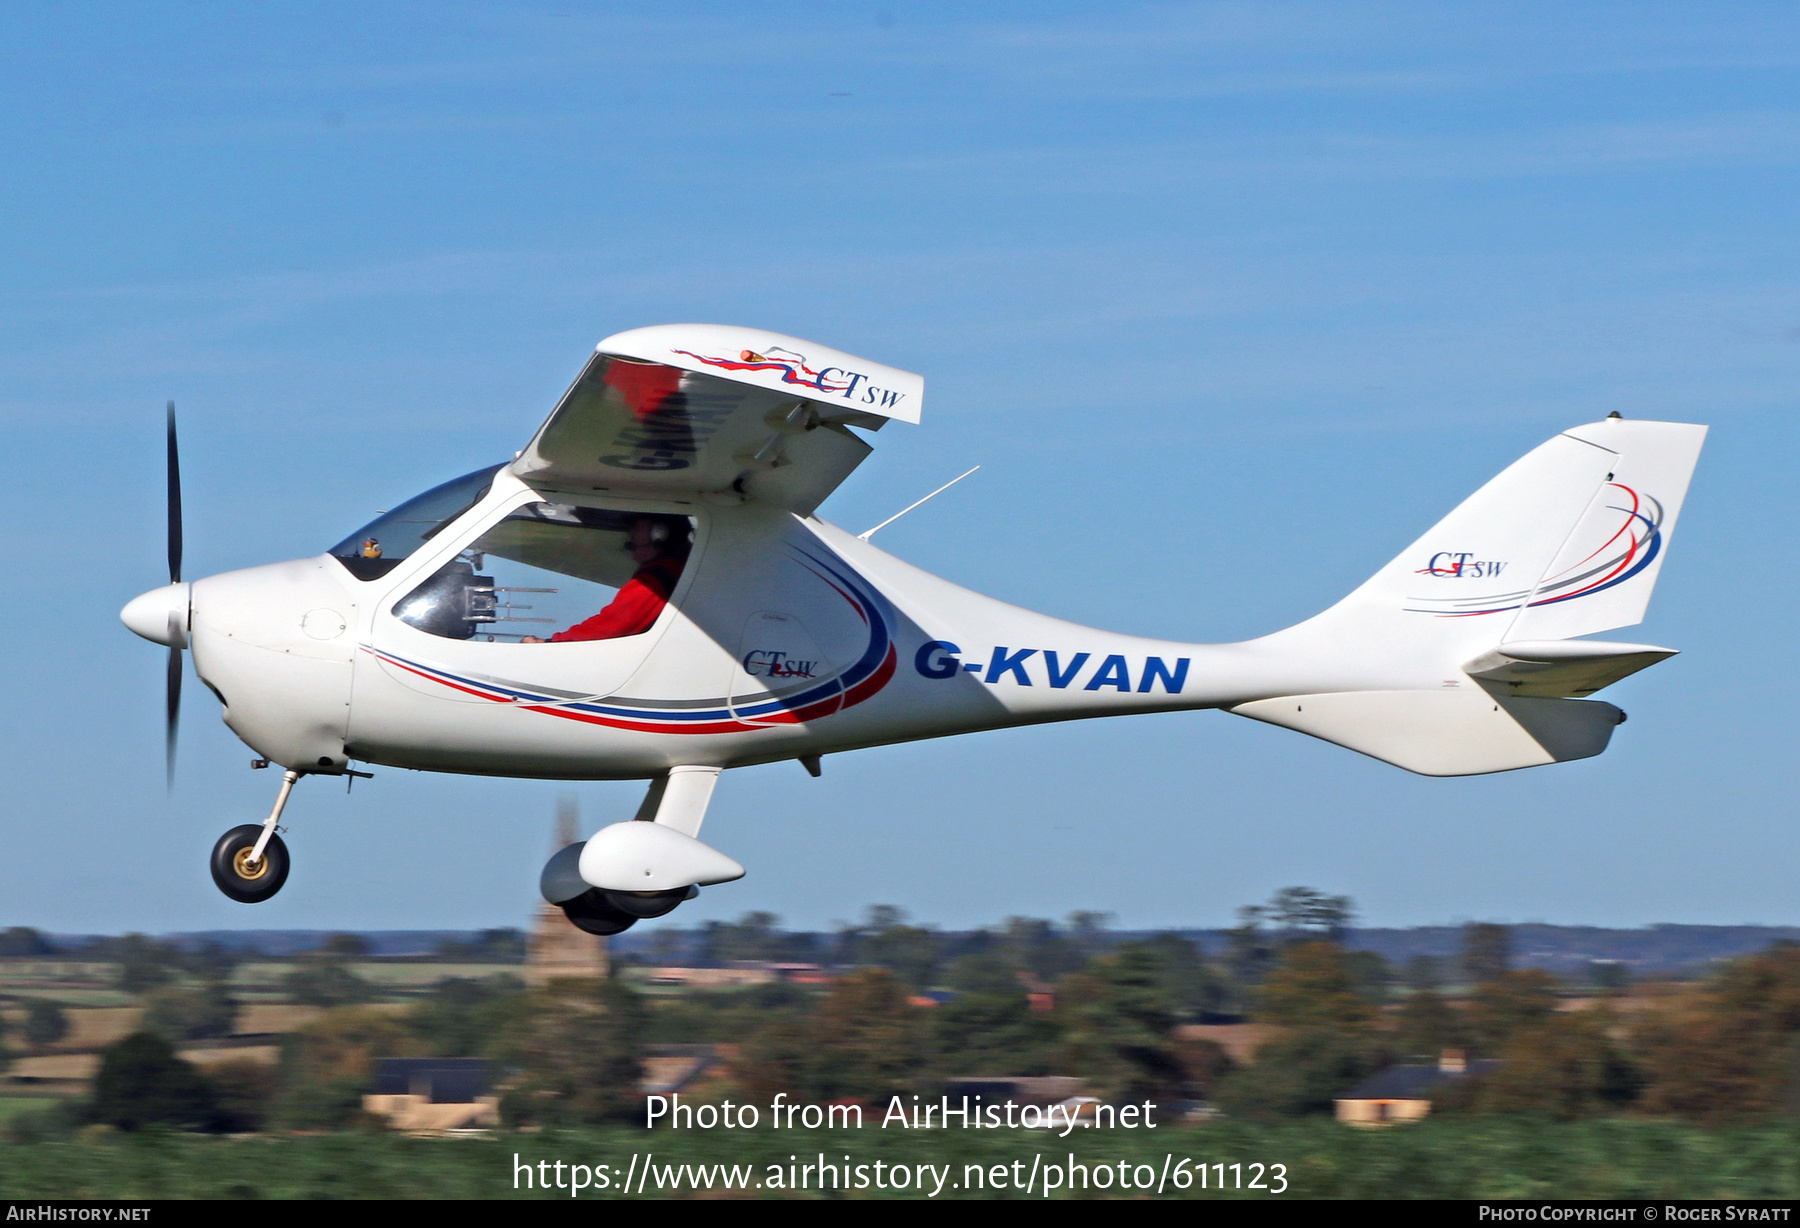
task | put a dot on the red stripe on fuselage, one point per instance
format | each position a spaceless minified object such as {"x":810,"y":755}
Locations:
{"x":863,"y":690}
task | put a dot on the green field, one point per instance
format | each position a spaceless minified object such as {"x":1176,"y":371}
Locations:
{"x":266,"y":976}
{"x":11,"y":1105}
{"x":1468,"y":1158}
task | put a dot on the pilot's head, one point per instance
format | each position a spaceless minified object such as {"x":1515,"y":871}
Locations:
{"x":657,"y":537}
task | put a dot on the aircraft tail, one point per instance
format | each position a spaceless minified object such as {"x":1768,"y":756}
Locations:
{"x":1472,"y":624}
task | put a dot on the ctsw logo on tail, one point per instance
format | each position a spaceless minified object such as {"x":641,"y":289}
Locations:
{"x":1628,"y":549}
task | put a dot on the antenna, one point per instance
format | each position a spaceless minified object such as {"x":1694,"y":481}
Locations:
{"x":866,"y":534}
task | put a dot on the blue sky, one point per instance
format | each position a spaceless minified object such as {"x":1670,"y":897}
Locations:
{"x":1229,"y":300}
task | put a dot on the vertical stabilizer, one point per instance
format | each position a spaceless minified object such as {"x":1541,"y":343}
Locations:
{"x":1461,"y":652}
{"x":1566,"y":541}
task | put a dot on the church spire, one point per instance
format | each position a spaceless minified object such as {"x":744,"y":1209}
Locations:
{"x":556,"y":950}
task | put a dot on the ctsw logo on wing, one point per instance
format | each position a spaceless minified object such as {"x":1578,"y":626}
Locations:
{"x":792,"y":369}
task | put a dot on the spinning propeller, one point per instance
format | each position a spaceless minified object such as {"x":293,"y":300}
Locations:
{"x":177,"y":622}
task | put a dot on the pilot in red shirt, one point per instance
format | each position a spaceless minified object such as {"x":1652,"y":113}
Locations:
{"x":659,"y":546}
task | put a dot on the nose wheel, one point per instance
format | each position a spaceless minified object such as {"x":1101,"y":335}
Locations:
{"x":250,"y":863}
{"x":243,"y":877}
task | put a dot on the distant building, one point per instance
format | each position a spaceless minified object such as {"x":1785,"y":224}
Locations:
{"x":712,"y":978}
{"x":801,"y":974}
{"x":1239,"y":1040}
{"x":1041,"y":1090}
{"x":741,"y":972}
{"x":1403,"y":1093}
{"x":678,"y":1068}
{"x":1041,"y":994}
{"x":434,"y":1094}
{"x":556,"y":950}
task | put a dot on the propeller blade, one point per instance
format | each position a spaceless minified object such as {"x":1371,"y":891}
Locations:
{"x":174,"y":502}
{"x":177,"y":634}
{"x":173,"y":714}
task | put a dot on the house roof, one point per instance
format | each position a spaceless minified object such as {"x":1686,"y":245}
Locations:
{"x":671,"y":1068}
{"x":1026,"y":1089}
{"x":1413,"y":1082}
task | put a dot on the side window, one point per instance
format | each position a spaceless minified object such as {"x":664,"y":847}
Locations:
{"x":380,"y":546}
{"x":552,"y":571}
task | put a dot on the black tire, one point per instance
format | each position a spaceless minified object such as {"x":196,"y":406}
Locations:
{"x":647,"y":904}
{"x":244,"y":883}
{"x":592,"y":912}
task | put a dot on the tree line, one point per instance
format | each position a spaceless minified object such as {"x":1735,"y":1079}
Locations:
{"x":909,"y":1009}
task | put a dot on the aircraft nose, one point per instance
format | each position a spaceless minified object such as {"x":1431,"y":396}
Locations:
{"x":160,"y":615}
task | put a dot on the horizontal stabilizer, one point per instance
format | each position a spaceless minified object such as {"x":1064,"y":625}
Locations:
{"x":1453,"y":732}
{"x":1559,"y":669}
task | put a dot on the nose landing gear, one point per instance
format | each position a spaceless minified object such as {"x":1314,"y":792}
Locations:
{"x":247,"y":879}
{"x":250,"y":863}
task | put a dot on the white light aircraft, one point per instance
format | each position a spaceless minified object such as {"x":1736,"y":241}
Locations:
{"x":664,"y":519}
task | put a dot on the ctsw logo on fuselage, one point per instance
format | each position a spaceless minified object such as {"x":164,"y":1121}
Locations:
{"x":763,"y":663}
{"x":942,"y":659}
{"x":1462,"y":565}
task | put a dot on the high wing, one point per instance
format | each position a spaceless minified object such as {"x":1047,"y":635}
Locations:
{"x":709,"y":408}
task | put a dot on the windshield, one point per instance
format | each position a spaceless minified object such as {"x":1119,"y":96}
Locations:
{"x":379,"y":546}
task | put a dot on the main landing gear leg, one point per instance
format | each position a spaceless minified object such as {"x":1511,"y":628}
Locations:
{"x":250,"y":863}
{"x":655,"y":860}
